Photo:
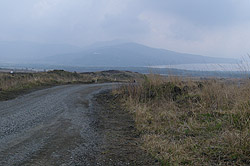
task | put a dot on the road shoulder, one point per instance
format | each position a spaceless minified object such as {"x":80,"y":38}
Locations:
{"x":121,"y":141}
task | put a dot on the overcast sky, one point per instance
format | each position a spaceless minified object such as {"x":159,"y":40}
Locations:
{"x":207,"y":27}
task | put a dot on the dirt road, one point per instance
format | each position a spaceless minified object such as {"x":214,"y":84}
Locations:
{"x":55,"y":126}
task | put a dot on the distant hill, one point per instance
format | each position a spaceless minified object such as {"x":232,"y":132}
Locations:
{"x":115,"y":53}
{"x":129,"y":54}
{"x":30,"y":52}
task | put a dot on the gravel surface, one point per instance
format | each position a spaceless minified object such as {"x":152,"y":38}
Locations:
{"x":51,"y":127}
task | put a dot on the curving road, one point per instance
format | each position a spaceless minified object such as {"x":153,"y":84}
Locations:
{"x":50,"y":127}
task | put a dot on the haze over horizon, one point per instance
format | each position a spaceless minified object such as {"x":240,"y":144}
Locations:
{"x":208,"y":27}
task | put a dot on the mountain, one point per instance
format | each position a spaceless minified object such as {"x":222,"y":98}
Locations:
{"x":31,"y":52}
{"x":106,"y":43}
{"x":129,"y":55}
{"x":115,"y":53}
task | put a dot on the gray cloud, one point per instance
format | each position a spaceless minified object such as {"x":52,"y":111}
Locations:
{"x":205,"y":12}
{"x":124,"y":26}
{"x":208,"y":27}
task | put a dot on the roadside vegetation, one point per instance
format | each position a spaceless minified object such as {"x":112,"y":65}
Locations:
{"x":12,"y":85}
{"x":188,"y":121}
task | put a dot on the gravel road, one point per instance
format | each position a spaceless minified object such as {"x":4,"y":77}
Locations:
{"x":50,"y":127}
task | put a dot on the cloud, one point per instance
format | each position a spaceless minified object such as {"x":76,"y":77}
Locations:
{"x":208,"y":27}
{"x":122,"y":26}
{"x":177,"y":33}
{"x":44,"y":7}
{"x":205,"y":12}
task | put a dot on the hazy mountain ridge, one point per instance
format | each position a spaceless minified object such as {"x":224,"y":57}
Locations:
{"x":115,"y":53}
{"x":131,"y":54}
{"x":31,"y":52}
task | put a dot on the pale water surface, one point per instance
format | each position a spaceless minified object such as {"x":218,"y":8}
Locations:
{"x":209,"y":67}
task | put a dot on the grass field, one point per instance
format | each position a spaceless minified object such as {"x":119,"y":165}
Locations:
{"x":182,"y":121}
{"x":12,"y":85}
{"x":188,"y":121}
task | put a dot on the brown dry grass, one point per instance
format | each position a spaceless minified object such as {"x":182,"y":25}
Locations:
{"x":192,"y":122}
{"x":12,"y":85}
{"x":8,"y":81}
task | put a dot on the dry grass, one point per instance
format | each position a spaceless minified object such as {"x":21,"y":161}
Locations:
{"x":8,"y":81}
{"x":11,"y":85}
{"x":192,"y":122}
